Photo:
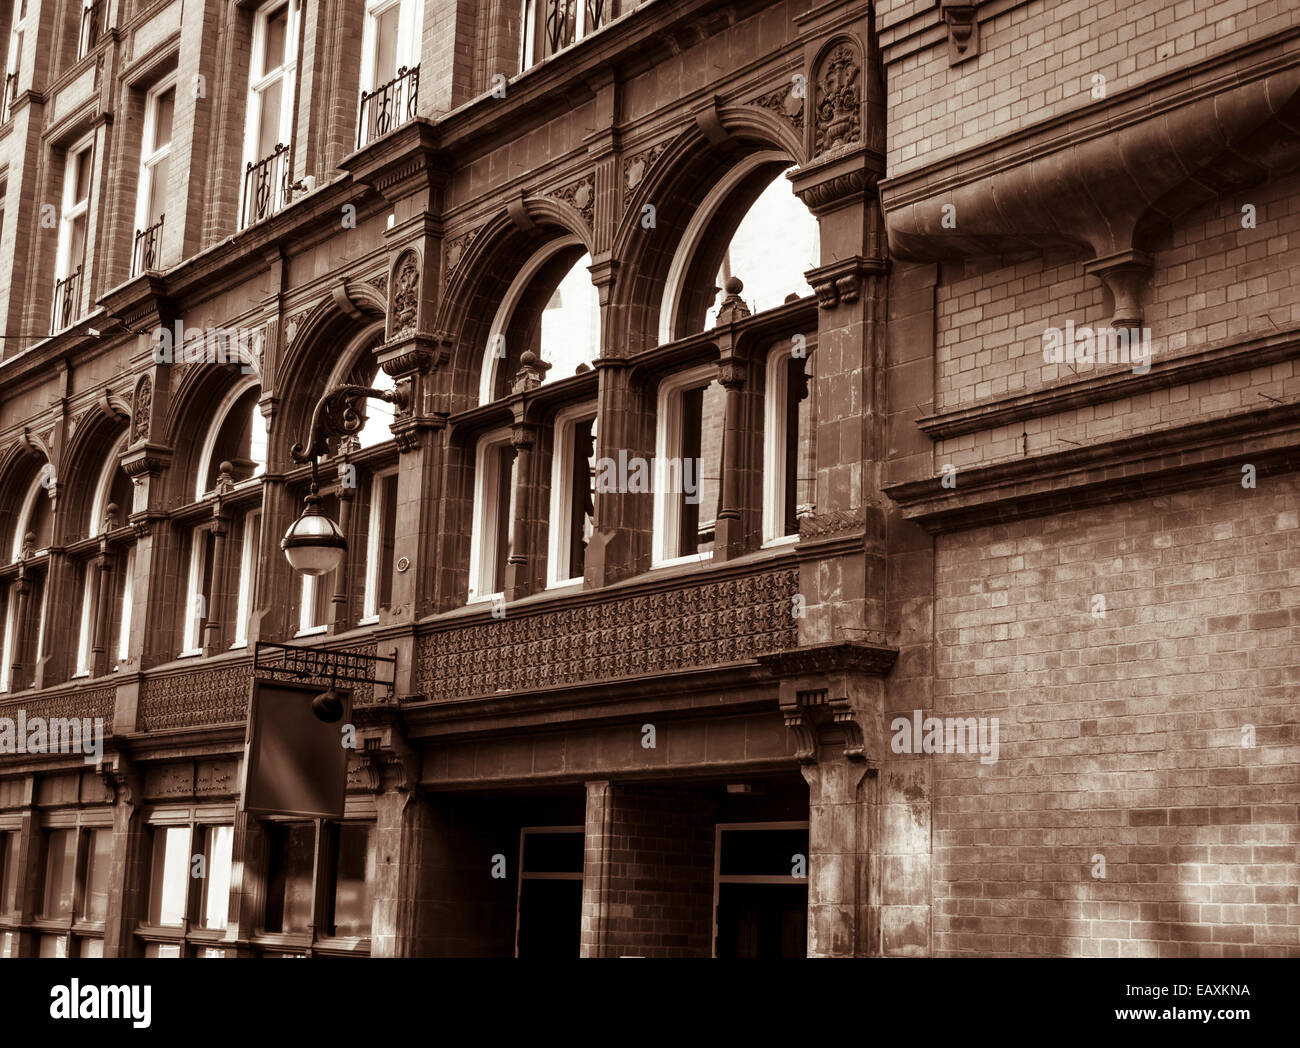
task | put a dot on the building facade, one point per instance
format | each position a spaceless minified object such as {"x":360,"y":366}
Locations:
{"x":773,"y":548}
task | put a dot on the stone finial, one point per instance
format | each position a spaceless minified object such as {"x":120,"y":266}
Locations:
{"x":531,"y":374}
{"x":110,"y":516}
{"x":225,"y":476}
{"x":733,"y":307}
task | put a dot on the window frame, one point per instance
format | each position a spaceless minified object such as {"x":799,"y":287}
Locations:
{"x":155,"y":154}
{"x":776,"y":394}
{"x":70,"y":210}
{"x":71,"y":927}
{"x":532,"y":17}
{"x":379,"y":510}
{"x":407,"y":48}
{"x":286,"y":74}
{"x":560,"y":529}
{"x":668,"y":435}
{"x":190,"y":936}
{"x":484,"y":529}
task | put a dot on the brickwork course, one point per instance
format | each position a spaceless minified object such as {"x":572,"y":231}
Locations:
{"x":1024,"y":680}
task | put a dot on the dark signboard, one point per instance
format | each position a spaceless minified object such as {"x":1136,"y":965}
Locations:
{"x":294,"y":762}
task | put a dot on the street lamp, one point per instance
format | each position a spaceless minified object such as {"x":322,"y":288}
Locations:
{"x":314,"y":544}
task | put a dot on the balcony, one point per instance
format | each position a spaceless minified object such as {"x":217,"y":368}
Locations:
{"x":147,"y":252}
{"x":267,"y":186}
{"x":67,"y":301}
{"x":389,"y":106}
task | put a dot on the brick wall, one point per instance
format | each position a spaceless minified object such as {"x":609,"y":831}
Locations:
{"x":1037,"y":60}
{"x":652,"y":879}
{"x":1122,"y":737}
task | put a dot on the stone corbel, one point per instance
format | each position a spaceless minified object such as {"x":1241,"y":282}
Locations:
{"x":121,"y":777}
{"x":1125,"y":274}
{"x":831,"y":697}
{"x":841,"y":282}
{"x":963,"y":29}
{"x":386,"y":760}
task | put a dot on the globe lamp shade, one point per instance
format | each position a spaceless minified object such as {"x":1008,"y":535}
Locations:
{"x":314,"y":545}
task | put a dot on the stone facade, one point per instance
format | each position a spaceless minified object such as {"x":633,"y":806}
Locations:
{"x":648,"y":749}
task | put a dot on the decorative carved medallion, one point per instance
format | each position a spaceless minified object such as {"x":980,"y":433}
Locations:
{"x":637,"y":167}
{"x":581,"y":195}
{"x":839,"y":100}
{"x":140,"y":410}
{"x":406,"y":295}
{"x":784,"y":104}
{"x":455,"y":251}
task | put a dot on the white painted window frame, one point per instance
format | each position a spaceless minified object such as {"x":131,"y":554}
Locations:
{"x":374,"y":535}
{"x":562,"y":480}
{"x":775,"y":399}
{"x":192,"y":636}
{"x":85,"y":625}
{"x":248,"y":562}
{"x":151,"y":154}
{"x":668,"y":439}
{"x":257,"y":85}
{"x":528,"y":42}
{"x":483,"y":535}
{"x":13,"y":63}
{"x":128,"y":607}
{"x":72,"y":209}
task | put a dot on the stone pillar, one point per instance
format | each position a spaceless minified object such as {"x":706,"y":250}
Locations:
{"x":839,"y":842}
{"x":519,"y":580}
{"x":596,"y":870}
{"x":128,"y":894}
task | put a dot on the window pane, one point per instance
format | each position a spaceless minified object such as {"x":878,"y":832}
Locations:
{"x":268,"y":136}
{"x":801,"y":442}
{"x":387,"y":538}
{"x":92,"y":948}
{"x":354,"y":870}
{"x":386,"y":45}
{"x":693,"y":473}
{"x":8,"y":944}
{"x":164,"y":109}
{"x":581,"y":508}
{"x":277,"y":35}
{"x":218,"y":842}
{"x":60,"y":874}
{"x":83,"y":176}
{"x":99,"y":861}
{"x":77,"y":249}
{"x":504,"y":507}
{"x":157,"y":192}
{"x":171,"y":862}
{"x":291,"y":857}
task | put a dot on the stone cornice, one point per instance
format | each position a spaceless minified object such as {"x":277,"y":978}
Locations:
{"x":848,"y":656}
{"x":1211,"y":362}
{"x":1197,"y":455}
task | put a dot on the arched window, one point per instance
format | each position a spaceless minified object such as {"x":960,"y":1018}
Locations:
{"x":110,"y":507}
{"x":789,"y":442}
{"x":222,"y":560}
{"x":546,"y":329}
{"x":551,"y":310}
{"x":25,"y":598}
{"x":750,"y":226}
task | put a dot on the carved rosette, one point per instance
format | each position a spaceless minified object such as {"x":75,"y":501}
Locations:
{"x":404,"y":309}
{"x":838,"y":115}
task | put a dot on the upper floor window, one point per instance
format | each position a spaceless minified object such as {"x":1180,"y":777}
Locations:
{"x":74,"y":219}
{"x":24,"y":616}
{"x":573,"y":485}
{"x":151,"y":195}
{"x":268,"y":132}
{"x":789,"y":443}
{"x":494,"y":512}
{"x":390,"y":67}
{"x":114,"y":490}
{"x":552,"y":25}
{"x":92,"y":25}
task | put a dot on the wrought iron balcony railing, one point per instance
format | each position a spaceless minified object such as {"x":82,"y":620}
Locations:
{"x":267,"y":186}
{"x":67,"y":301}
{"x":388,"y":106}
{"x":147,"y":252}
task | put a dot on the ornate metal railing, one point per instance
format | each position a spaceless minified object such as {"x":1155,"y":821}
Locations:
{"x":67,"y":301}
{"x":147,"y":252}
{"x":267,"y":186}
{"x":388,"y":106}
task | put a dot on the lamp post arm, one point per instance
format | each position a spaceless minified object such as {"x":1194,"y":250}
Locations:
{"x":338,"y":414}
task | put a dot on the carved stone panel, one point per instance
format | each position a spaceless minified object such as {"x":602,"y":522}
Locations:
{"x":838,"y":117}
{"x":714,"y":623}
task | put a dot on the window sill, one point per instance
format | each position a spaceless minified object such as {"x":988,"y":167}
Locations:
{"x":190,"y":653}
{"x":673,"y":562}
{"x":368,"y":620}
{"x":312,"y":631}
{"x":239,"y":645}
{"x":784,"y":540}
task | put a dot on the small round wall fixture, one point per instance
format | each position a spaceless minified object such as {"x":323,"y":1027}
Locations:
{"x":314,"y":544}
